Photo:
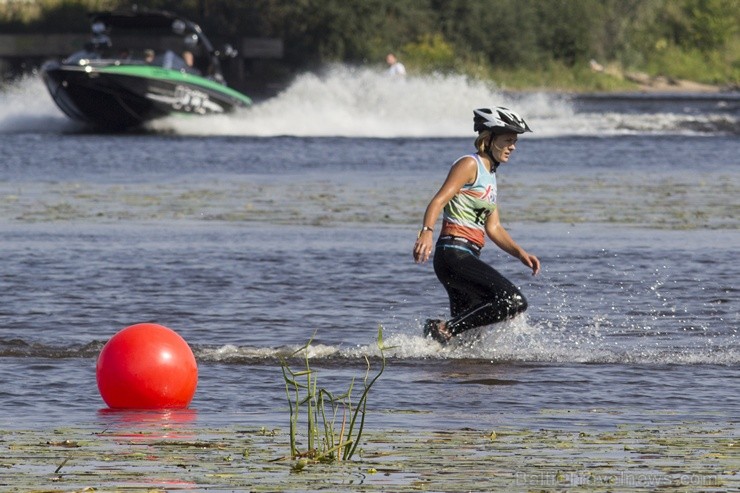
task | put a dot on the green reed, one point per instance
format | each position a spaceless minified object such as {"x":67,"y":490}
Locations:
{"x":324,"y":442}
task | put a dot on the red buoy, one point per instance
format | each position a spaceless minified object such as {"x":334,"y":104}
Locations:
{"x":147,"y":366}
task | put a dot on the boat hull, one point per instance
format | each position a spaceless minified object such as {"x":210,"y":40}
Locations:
{"x":123,"y":96}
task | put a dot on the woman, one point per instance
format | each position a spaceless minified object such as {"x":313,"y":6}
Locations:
{"x":479,"y":295}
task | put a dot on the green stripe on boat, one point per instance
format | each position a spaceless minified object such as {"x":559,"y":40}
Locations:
{"x":174,"y":75}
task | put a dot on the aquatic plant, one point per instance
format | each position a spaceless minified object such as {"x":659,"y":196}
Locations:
{"x":322,"y":408}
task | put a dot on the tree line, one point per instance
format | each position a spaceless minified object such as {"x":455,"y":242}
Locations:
{"x":694,"y":39}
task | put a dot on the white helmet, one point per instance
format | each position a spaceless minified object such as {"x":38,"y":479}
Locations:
{"x":499,"y":120}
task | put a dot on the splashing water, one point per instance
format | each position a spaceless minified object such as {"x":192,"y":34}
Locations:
{"x":363,"y":103}
{"x":359,"y":102}
{"x":27,"y":107}
{"x":517,"y":340}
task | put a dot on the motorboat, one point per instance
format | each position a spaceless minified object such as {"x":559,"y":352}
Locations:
{"x":140,"y":65}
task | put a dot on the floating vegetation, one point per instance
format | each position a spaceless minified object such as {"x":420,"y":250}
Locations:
{"x":662,"y":203}
{"x":677,"y":457}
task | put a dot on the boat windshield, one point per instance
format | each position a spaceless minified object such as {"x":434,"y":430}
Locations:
{"x":146,"y":37}
{"x":168,"y":59}
{"x":171,"y":60}
{"x":76,"y":57}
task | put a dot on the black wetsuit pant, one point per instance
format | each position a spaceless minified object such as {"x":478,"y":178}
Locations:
{"x":479,"y":294}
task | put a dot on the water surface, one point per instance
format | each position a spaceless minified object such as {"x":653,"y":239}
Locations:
{"x":251,"y":233}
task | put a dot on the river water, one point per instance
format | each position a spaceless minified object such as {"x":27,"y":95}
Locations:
{"x":249,"y":233}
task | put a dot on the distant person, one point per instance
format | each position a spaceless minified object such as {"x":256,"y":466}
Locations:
{"x":479,"y":294}
{"x":149,"y":56}
{"x":395,"y":68}
{"x":190,"y":62}
{"x":596,"y":66}
{"x":188,"y":57}
{"x":100,"y":39}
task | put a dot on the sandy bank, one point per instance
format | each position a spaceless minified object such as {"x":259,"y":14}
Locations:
{"x":662,"y":84}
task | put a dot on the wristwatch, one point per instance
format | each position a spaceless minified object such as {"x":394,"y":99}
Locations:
{"x":424,"y":228}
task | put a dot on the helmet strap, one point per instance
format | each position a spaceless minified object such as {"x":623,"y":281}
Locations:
{"x":494,"y":162}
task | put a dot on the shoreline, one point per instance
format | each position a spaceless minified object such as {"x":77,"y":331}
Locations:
{"x":631,"y":83}
{"x":655,"y":86}
{"x":668,"y":85}
{"x":683,"y":456}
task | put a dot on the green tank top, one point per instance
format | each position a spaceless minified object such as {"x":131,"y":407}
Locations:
{"x":466,"y":213}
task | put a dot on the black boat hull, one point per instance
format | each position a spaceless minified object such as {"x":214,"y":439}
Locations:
{"x":121,"y":97}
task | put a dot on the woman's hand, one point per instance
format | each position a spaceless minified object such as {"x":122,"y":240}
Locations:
{"x":423,"y":246}
{"x":498,"y":234}
{"x":530,"y":261}
{"x":462,"y":172}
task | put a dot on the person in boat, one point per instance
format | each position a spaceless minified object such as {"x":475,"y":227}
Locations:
{"x":171,"y":60}
{"x":479,"y":295}
{"x":100,"y":39}
{"x":189,"y":59}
